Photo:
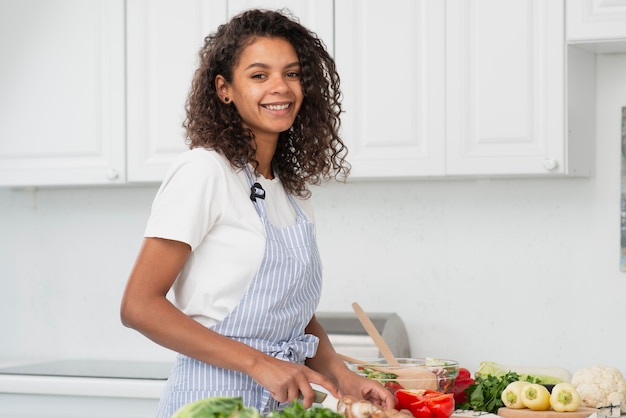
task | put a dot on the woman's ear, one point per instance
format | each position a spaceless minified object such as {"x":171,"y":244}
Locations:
{"x":223,"y":89}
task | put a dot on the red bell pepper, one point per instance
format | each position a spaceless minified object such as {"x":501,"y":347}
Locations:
{"x":425,"y":403}
{"x":461,"y":383}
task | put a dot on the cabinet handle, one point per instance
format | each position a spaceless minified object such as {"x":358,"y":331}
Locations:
{"x":112,"y":174}
{"x":550,"y":164}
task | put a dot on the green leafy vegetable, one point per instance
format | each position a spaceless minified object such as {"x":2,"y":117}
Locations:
{"x":296,"y":410}
{"x":233,"y":407}
{"x":485,"y":393}
{"x":217,"y":407}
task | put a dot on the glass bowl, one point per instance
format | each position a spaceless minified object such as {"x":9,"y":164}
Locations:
{"x":412,"y":373}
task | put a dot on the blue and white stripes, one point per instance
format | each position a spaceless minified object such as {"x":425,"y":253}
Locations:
{"x":271,"y":317}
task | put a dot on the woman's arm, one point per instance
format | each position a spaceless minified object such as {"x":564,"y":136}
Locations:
{"x":146,"y":309}
{"x":327,"y":362}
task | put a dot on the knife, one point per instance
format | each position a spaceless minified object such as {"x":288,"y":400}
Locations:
{"x":319,"y":396}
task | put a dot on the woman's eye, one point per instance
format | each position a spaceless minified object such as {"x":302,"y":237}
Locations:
{"x":258,"y":76}
{"x":293,"y":74}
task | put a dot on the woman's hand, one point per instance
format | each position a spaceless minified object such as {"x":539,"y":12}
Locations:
{"x":287,"y":381}
{"x":361,"y":387}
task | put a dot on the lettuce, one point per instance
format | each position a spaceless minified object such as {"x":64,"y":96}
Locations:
{"x":217,"y":407}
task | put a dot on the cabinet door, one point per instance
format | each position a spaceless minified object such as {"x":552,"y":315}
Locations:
{"x":390,"y":57}
{"x":596,"y":20}
{"x":505,"y":87}
{"x":163,"y":41}
{"x":62,"y":81}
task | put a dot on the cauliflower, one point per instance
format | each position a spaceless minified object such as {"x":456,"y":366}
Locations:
{"x":601,"y":386}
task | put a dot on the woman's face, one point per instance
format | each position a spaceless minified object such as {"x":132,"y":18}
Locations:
{"x":266,"y":87}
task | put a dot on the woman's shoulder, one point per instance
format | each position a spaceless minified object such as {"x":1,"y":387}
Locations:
{"x":201,"y":161}
{"x":202,"y":156}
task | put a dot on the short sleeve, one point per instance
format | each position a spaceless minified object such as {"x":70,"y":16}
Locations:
{"x":186,"y":205}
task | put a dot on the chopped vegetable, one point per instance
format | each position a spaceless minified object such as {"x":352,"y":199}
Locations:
{"x":601,"y":387}
{"x":389,"y":380}
{"x":543,"y":375}
{"x":536,"y":397}
{"x":512,"y":395}
{"x":378,"y":375}
{"x":426,"y":403}
{"x":564,"y":397}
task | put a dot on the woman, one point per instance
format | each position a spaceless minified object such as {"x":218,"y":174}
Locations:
{"x":230,"y":230}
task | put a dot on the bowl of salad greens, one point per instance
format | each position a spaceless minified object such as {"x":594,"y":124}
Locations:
{"x":411,"y":373}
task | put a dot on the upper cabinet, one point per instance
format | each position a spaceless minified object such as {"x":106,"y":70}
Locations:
{"x":62,"y":110}
{"x":93,"y":91}
{"x":506,"y":81}
{"x":390,"y":57}
{"x":163,"y":41}
{"x":597,"y":21}
{"x":458,"y":88}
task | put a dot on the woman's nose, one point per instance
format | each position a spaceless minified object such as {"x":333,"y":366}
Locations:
{"x":279,"y":85}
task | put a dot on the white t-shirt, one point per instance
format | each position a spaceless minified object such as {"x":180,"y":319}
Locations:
{"x":205,"y":203}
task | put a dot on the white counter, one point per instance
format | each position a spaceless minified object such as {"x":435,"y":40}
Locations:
{"x":82,"y":386}
{"x":27,"y":396}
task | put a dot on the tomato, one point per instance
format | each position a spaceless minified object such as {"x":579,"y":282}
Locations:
{"x":425,"y":403}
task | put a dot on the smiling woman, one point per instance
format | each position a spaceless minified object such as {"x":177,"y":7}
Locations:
{"x":267,"y":93}
{"x":231,"y":229}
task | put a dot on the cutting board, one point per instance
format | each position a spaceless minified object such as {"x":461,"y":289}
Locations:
{"x":529,"y":413}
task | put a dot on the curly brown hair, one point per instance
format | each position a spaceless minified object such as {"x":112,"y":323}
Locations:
{"x":311,"y":151}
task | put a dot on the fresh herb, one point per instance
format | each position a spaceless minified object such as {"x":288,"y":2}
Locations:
{"x":485,"y":393}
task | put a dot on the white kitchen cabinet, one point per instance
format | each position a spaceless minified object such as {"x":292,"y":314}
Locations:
{"x":431,"y":88}
{"x":459,"y":88}
{"x":164,"y":38}
{"x":597,"y":21}
{"x":390,"y":57}
{"x":506,"y":90}
{"x":62,"y":112}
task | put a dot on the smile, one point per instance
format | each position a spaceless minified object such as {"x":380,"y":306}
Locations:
{"x":277,"y":107}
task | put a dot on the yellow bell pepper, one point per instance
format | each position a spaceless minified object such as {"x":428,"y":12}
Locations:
{"x":512,"y":395}
{"x":536,"y":397}
{"x":564,"y":398}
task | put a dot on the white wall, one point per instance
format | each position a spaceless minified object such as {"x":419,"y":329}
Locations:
{"x":521,"y":271}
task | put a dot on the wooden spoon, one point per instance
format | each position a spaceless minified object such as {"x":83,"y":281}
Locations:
{"x":406,"y":374}
{"x":375,"y":335}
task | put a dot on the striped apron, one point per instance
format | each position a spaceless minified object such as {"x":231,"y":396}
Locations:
{"x":271,"y":317}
